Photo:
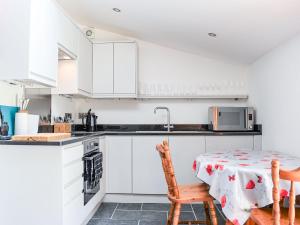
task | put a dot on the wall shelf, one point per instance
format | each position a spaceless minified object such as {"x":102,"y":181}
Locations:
{"x":236,"y":97}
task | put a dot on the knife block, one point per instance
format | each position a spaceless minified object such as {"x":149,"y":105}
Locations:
{"x":62,"y":128}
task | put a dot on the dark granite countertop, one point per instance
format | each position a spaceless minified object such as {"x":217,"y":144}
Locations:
{"x":80,"y":135}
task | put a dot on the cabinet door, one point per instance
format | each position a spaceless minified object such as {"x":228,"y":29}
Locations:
{"x":119,"y":165}
{"x":103,"y":68}
{"x":67,"y":34}
{"x":227,"y":143}
{"x":148,"y":175}
{"x":85,"y":64}
{"x":43,"y":41}
{"x":184,"y":150}
{"x":125,"y":68}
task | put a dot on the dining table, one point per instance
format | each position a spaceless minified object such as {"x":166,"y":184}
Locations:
{"x":242,"y":180}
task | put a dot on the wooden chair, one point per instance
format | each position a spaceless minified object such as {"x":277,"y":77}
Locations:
{"x":181,"y":194}
{"x":279,"y":215}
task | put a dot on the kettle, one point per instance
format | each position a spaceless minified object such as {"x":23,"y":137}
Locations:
{"x":89,"y":121}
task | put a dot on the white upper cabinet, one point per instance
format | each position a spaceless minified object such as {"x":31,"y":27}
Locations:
{"x":29,"y":41}
{"x":103,"y":72}
{"x":85,"y":64}
{"x":115,"y":69}
{"x":68,"y":37}
{"x":125,"y":68}
{"x":75,"y":76}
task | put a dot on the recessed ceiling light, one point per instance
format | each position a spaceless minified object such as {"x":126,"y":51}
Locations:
{"x":212,"y":35}
{"x":117,"y":10}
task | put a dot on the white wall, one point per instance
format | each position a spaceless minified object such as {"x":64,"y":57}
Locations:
{"x":141,"y":112}
{"x":161,"y":65}
{"x":274,"y":90}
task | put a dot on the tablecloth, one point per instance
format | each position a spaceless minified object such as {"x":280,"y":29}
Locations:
{"x":241,"y":180}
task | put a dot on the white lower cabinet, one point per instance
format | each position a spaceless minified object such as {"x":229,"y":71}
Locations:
{"x":119,"y":164}
{"x":73,"y":203}
{"x":227,"y":143}
{"x":148,"y":176}
{"x":184,"y":150}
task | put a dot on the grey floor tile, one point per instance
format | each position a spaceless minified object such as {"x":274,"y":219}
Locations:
{"x":199,"y":211}
{"x":129,"y":206}
{"x":156,"y":206}
{"x":111,"y":222}
{"x":127,"y":215}
{"x":187,"y":216}
{"x":186,"y":207}
{"x":153,"y":215}
{"x":164,"y":207}
{"x":144,"y":222}
{"x":140,"y":215}
{"x":105,"y":211}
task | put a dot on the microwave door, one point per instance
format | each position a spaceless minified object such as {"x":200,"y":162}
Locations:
{"x":231,"y":119}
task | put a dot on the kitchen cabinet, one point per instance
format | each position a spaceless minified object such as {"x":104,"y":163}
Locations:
{"x":119,"y":164}
{"x":184,"y":150}
{"x":85,"y":64}
{"x":68,"y":38}
{"x":73,"y":185}
{"x":75,"y":75}
{"x":103,"y":64}
{"x":148,"y":175}
{"x":29,"y":46}
{"x":227,"y":143}
{"x":114,"y":69}
{"x":124,"y":68}
{"x":257,"y":142}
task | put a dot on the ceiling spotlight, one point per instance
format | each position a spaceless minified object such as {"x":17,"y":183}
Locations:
{"x":212,"y":35}
{"x":117,"y":10}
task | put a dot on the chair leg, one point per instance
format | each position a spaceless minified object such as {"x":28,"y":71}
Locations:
{"x":171,"y":214}
{"x":176,"y":213}
{"x":250,"y":222}
{"x":228,"y":222}
{"x":212,"y":210}
{"x":207,"y":216}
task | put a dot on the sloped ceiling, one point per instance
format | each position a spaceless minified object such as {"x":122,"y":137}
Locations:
{"x":246,"y":29}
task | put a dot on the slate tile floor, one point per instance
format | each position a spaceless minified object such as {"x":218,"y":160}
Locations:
{"x":145,"y":214}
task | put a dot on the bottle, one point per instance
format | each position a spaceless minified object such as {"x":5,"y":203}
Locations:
{"x":4,"y":129}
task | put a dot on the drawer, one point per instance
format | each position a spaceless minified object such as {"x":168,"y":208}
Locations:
{"x":72,"y":154}
{"x":73,"y":190}
{"x":72,"y":172}
{"x":73,"y":212}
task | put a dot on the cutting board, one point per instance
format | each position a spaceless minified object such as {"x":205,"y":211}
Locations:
{"x":41,"y":137}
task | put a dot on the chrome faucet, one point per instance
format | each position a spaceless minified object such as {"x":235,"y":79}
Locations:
{"x":168,"y":125}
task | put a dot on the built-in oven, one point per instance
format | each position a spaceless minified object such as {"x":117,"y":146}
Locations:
{"x":93,"y":168}
{"x":231,"y":118}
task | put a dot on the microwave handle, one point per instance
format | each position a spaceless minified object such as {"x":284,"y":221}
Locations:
{"x":246,"y":119}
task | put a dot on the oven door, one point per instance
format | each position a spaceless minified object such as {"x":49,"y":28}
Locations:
{"x":231,"y":119}
{"x":93,"y":170}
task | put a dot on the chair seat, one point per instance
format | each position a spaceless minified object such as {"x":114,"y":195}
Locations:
{"x":193,"y":193}
{"x":264,"y":216}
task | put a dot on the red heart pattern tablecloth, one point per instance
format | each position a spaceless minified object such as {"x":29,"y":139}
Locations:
{"x":241,"y":180}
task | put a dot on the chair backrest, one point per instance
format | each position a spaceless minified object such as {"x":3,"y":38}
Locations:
{"x":292,"y":176}
{"x":168,"y":168}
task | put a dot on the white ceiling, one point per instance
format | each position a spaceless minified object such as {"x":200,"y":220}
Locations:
{"x":246,"y":29}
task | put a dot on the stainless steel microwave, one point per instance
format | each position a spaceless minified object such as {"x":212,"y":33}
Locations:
{"x":231,"y":118}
